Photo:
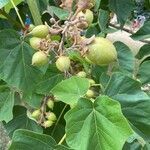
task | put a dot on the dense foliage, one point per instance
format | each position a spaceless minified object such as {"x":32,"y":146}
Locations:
{"x":64,"y":85}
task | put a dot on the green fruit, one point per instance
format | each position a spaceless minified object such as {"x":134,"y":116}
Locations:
{"x":63,"y":63}
{"x":50,"y":103}
{"x":88,"y":60}
{"x":102,"y":52}
{"x":40,"y":31}
{"x":51,"y":116}
{"x":90,"y":94}
{"x":35,"y":42}
{"x":88,"y":14}
{"x":92,"y":82}
{"x":39,"y":59}
{"x":36,"y":114}
{"x":48,"y":123}
{"x":81,"y":74}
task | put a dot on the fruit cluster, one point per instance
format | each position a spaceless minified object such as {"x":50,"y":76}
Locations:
{"x":96,"y":50}
{"x":46,"y":119}
{"x":61,"y":37}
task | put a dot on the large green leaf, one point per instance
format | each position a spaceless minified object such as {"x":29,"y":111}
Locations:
{"x":126,"y":59}
{"x":143,"y":32}
{"x":27,"y":140}
{"x":135,"y":103}
{"x":3,"y":3}
{"x":144,"y":72}
{"x":98,"y":126}
{"x":21,"y":121}
{"x":70,"y":90}
{"x":6,"y":105}
{"x":15,"y":62}
{"x":122,"y":8}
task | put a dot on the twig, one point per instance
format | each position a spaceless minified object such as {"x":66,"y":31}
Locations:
{"x":62,"y":139}
{"x":129,"y":31}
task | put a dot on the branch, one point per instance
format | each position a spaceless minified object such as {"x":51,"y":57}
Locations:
{"x":129,"y":31}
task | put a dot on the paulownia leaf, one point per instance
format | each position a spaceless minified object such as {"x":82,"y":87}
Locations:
{"x":135,"y":103}
{"x":126,"y":59}
{"x":28,"y":140}
{"x":21,"y":121}
{"x":122,"y":8}
{"x":70,"y":90}
{"x":15,"y":62}
{"x":98,"y":126}
{"x":6,"y":105}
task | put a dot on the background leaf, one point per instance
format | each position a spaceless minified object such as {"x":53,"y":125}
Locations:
{"x":24,"y":139}
{"x":21,"y":121}
{"x":135,"y":103}
{"x":99,"y":125}
{"x":126,"y":59}
{"x":122,"y":9}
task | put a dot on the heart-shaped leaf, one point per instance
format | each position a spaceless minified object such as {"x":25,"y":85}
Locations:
{"x":99,"y":125}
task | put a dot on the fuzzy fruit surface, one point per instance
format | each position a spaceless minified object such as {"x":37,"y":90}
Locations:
{"x":50,"y":104}
{"x":63,"y":63}
{"x":102,"y":52}
{"x":40,"y":31}
{"x":88,"y":14}
{"x":35,"y":42}
{"x":35,"y":114}
{"x":48,"y":123}
{"x":51,"y":116}
{"x":90,"y":94}
{"x":81,"y":74}
{"x":39,"y":59}
{"x":91,"y":81}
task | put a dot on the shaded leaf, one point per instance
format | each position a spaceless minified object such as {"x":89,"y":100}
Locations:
{"x":21,"y":121}
{"x":144,"y":72}
{"x":6,"y":105}
{"x":122,"y":9}
{"x":24,"y":139}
